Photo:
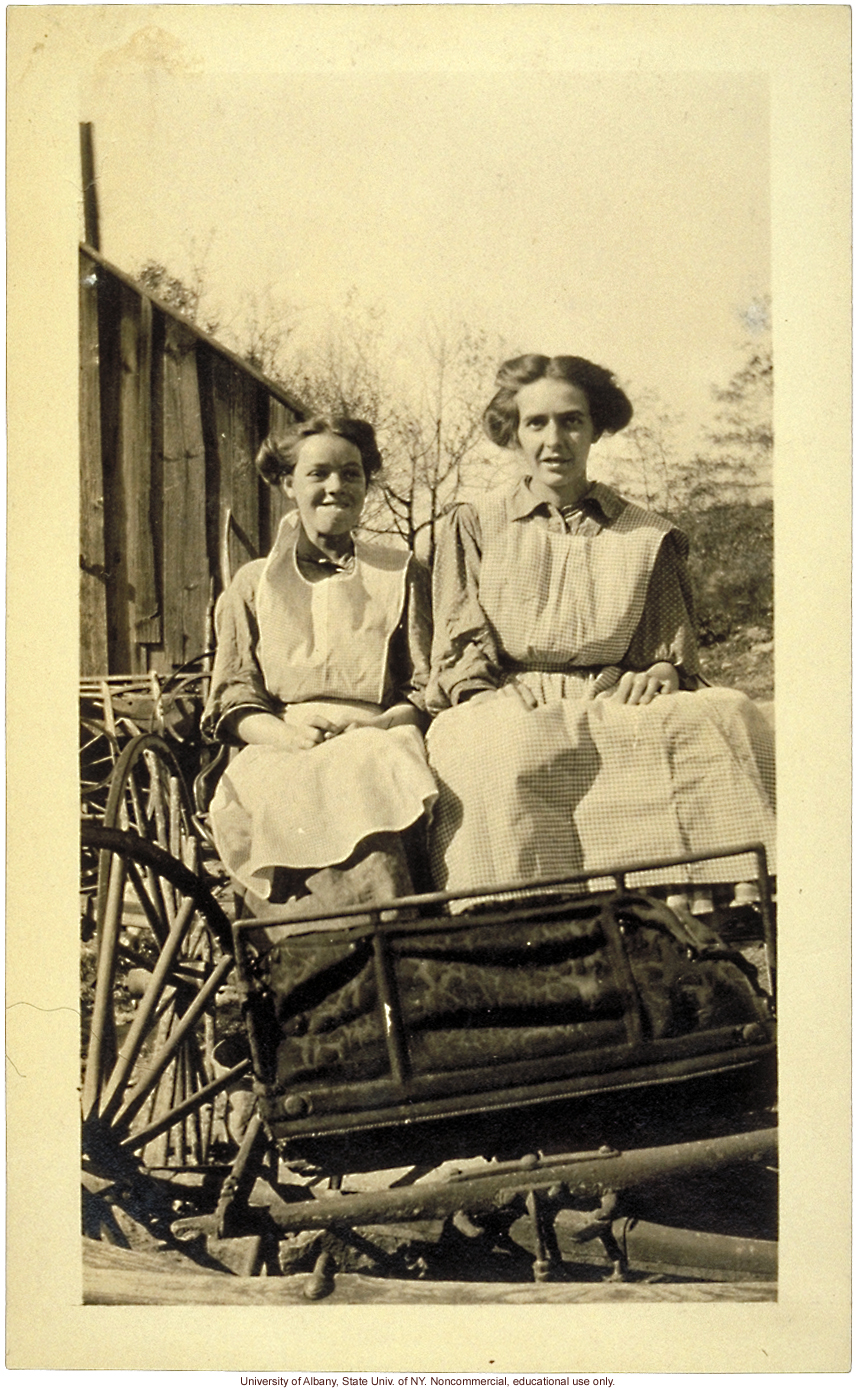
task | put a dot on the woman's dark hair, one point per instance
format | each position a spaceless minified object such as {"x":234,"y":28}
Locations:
{"x":608,"y":405}
{"x":278,"y":454}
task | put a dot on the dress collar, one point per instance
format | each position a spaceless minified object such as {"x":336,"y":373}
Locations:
{"x":308,"y":554}
{"x":597,"y":498}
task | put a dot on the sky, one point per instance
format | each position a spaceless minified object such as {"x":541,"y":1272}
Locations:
{"x":620,"y":215}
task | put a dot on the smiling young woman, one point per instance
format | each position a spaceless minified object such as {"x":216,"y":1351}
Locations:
{"x":322,"y":662}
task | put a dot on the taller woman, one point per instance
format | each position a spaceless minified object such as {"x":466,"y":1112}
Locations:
{"x":574,"y":732}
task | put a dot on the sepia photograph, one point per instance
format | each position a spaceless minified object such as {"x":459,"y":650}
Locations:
{"x":429,"y":493}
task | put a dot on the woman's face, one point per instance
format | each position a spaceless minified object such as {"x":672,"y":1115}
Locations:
{"x":328,"y":485}
{"x":555,"y":432}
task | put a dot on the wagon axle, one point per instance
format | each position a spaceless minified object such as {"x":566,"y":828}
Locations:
{"x":548,"y":1190}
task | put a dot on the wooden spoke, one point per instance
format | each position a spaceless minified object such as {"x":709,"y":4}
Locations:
{"x":99,"y":753}
{"x":150,"y":1080}
{"x":148,"y":794}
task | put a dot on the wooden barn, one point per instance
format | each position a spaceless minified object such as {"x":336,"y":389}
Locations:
{"x":170,"y":501}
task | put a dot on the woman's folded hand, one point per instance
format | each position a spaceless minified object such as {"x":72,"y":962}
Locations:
{"x":642,"y":687}
{"x":297,"y":735}
{"x":312,"y":730}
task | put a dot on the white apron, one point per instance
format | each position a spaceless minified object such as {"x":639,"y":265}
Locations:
{"x":322,"y":647}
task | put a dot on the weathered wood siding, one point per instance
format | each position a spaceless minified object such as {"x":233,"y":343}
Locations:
{"x":93,"y":585}
{"x":170,"y":501}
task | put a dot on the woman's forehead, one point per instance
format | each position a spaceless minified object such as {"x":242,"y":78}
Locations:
{"x":550,"y":394}
{"x":329,"y":449}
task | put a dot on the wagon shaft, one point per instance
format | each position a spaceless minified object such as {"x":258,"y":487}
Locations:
{"x":486,"y":1190}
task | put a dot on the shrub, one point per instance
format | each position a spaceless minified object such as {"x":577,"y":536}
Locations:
{"x":731,"y":565}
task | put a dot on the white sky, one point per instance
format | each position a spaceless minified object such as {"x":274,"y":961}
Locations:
{"x":621,"y":215}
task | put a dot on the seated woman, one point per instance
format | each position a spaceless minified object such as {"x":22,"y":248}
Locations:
{"x":573,"y":733}
{"x":321,"y":667}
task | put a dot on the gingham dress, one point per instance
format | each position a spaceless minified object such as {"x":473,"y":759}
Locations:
{"x":582,"y":783}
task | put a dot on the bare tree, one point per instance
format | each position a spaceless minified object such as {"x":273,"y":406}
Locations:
{"x":263,"y":327}
{"x":433,"y":436}
{"x":645,"y":461}
{"x":346,"y":369}
{"x":427,"y":416}
{"x":736,"y":463}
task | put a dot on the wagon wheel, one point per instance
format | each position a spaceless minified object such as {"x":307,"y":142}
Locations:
{"x":164,"y":951}
{"x":148,"y":796}
{"x":99,"y":753}
{"x":101,"y":739}
{"x":102,"y":735}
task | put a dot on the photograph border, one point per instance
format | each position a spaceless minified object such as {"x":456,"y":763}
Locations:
{"x":806,"y":52}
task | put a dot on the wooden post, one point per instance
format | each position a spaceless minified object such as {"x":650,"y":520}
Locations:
{"x":115,"y":505}
{"x":185,"y":559}
{"x":93,"y":577}
{"x":92,"y":232}
{"x":135,"y":462}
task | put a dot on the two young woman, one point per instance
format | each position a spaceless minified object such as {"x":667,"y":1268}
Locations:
{"x":571,"y":732}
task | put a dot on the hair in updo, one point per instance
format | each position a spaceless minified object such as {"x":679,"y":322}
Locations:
{"x":608,"y":405}
{"x":278,"y":454}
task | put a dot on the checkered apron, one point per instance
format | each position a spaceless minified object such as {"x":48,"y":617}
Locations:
{"x":582,"y":783}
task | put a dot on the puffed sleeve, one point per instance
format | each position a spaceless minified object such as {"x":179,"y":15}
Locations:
{"x":667,"y":629}
{"x":464,"y":651}
{"x":236,"y":681}
{"x":410,"y":646}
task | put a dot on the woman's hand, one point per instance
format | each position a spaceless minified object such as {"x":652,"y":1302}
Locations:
{"x":312,"y":731}
{"x":298,"y":735}
{"x":642,"y":687}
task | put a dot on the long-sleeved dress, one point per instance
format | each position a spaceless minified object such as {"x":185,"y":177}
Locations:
{"x":348,"y":646}
{"x":565,"y":603}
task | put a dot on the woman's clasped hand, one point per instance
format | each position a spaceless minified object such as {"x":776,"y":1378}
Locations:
{"x":634,"y":688}
{"x":302,"y":731}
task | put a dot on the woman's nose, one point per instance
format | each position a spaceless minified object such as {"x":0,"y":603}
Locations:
{"x":552,"y":432}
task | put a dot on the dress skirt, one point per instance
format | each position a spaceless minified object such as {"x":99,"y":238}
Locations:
{"x":308,"y":810}
{"x":580,"y":785}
